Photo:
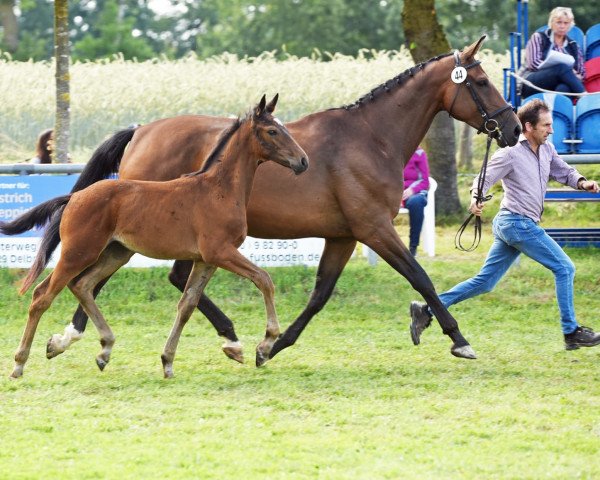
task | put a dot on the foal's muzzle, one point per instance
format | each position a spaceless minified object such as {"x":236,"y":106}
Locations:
{"x":301,"y":166}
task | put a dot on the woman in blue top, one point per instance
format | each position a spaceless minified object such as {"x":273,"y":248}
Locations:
{"x":566,"y":76}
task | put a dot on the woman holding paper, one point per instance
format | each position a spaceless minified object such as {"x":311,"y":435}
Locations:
{"x":553,"y":60}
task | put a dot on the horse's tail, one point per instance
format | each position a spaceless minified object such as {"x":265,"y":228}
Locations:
{"x":37,"y":216}
{"x":51,"y":210}
{"x":105,"y":160}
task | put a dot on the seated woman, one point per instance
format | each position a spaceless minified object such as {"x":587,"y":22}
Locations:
{"x":43,"y":148}
{"x":414,"y":198}
{"x":565,"y":71}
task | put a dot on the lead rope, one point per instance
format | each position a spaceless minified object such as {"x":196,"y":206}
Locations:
{"x":480,"y":199}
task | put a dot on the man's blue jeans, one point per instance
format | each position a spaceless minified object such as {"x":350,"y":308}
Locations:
{"x":515,"y":234}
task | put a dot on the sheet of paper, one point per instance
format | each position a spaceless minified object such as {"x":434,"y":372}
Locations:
{"x":555,"y":58}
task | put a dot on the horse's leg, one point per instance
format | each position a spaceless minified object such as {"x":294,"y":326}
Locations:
{"x":73,"y":332}
{"x":42,"y":298}
{"x":111,"y":259}
{"x":336,"y":254}
{"x":231,"y":259}
{"x":385,"y":241}
{"x":223,"y":325}
{"x":197,"y":280}
{"x":39,"y":304}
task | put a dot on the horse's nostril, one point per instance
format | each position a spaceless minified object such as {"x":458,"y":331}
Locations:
{"x":304,"y":162}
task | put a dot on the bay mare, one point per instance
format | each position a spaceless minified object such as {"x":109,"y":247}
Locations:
{"x":351,"y":193}
{"x":200,"y":218}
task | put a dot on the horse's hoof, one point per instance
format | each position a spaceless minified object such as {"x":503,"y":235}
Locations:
{"x":261,"y":358}
{"x":17,"y":372}
{"x":101,"y":363}
{"x":234,"y":352}
{"x":168,"y":374}
{"x":465,"y":351}
{"x":52,"y":350}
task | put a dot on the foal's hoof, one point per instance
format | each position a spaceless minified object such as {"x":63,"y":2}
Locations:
{"x":52,"y":348}
{"x":466,"y":351}
{"x":101,"y":363}
{"x":234,"y":351}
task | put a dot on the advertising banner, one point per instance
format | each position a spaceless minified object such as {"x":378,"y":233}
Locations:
{"x":19,"y":193}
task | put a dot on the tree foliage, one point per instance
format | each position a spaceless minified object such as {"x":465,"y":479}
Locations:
{"x":102,"y":28}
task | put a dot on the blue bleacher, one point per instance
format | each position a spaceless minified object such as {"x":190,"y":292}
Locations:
{"x":562,"y":119}
{"x":592,"y":42}
{"x":576,"y":128}
{"x":587,"y":125}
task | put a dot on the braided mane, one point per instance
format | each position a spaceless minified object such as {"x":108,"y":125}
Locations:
{"x":389,"y":85}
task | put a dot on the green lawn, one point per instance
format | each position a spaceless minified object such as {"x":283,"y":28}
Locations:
{"x":353,"y":399}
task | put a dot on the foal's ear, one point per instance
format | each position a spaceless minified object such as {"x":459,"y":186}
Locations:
{"x":260,"y":108}
{"x":471,"y":50}
{"x":272,"y":103}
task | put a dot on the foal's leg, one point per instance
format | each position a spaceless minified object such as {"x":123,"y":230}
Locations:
{"x":223,"y":325}
{"x":197,"y":280}
{"x":231,"y":259}
{"x":43,"y":296}
{"x":58,"y":343}
{"x":335,"y":256}
{"x":111,"y":259}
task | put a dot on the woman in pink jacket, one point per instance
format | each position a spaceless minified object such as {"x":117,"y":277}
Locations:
{"x":414,"y":198}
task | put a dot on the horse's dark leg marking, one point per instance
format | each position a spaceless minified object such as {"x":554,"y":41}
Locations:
{"x":335,"y":256}
{"x":58,"y":343}
{"x":387,"y":244}
{"x":223,"y":325}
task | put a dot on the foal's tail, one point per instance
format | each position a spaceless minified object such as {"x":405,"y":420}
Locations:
{"x":104,"y":162}
{"x":40,"y":215}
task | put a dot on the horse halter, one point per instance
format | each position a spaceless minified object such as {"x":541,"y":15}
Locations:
{"x":490,"y":126}
{"x":459,"y":75}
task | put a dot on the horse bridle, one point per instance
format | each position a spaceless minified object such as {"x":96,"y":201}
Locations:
{"x":490,"y":126}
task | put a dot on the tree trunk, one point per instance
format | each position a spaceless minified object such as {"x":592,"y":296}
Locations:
{"x":9,"y":25}
{"x":426,"y":39}
{"x":465,"y":147}
{"x":63,"y":98}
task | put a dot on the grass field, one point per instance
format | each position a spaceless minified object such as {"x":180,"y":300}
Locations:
{"x":352,"y":399}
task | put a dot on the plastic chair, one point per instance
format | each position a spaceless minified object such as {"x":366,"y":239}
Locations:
{"x":592,"y":75}
{"x":588,"y":124}
{"x":575,"y":33}
{"x":562,"y":120}
{"x":592,"y":42}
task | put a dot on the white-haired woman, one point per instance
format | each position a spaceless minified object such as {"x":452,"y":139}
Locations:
{"x":553,"y":60}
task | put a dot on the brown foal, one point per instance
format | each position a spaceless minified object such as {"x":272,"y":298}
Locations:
{"x":199,"y":217}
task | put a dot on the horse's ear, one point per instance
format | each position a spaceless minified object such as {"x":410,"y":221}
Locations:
{"x":471,"y":50}
{"x":272,"y":103}
{"x":260,"y":108}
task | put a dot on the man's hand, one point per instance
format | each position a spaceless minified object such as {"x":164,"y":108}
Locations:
{"x":476,"y":208}
{"x":589,"y":185}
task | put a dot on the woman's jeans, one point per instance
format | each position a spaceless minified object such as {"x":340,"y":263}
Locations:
{"x":559,"y":78}
{"x":515,"y":234}
{"x":415,"y":204}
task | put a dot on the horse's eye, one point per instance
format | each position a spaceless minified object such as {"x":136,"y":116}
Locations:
{"x":272,"y":132}
{"x":483,"y":82}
